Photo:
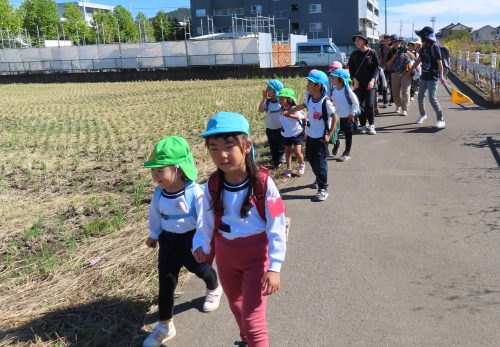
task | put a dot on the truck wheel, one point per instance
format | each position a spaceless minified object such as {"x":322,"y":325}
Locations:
{"x":302,"y":64}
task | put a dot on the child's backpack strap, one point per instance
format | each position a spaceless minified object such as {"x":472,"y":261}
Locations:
{"x":260,"y":190}
{"x":324,"y":113}
{"x":189,"y":196}
{"x":347,"y":96}
{"x":214,"y":185}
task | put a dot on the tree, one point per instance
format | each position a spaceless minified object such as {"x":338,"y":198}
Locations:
{"x":40,"y":18}
{"x":75,"y":26}
{"x":105,"y":27}
{"x":10,"y":23}
{"x":125,"y":21}
{"x":162,"y":26}
{"x":146,"y":30}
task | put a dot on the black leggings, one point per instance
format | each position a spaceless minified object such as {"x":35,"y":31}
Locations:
{"x":366,"y":102}
{"x":348,"y":137}
{"x":175,"y":252}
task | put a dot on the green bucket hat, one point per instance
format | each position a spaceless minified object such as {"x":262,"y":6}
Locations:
{"x":288,"y":93}
{"x":173,"y":150}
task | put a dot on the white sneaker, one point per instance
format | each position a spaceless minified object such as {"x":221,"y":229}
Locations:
{"x":321,"y":195}
{"x":288,"y":172}
{"x":399,"y":109}
{"x":404,"y":113}
{"x":412,"y":99}
{"x":362,"y":129}
{"x":212,"y":299}
{"x":160,"y":334}
{"x":371,"y":129}
{"x":440,"y":124}
{"x":421,"y":119}
{"x":301,"y":169}
{"x":345,"y":158}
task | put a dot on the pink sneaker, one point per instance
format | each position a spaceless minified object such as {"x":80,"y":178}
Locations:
{"x":160,"y":334}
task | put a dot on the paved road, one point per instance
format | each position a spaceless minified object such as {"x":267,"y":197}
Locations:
{"x":405,"y":252}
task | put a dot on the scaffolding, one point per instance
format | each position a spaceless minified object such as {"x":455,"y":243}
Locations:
{"x":258,"y":24}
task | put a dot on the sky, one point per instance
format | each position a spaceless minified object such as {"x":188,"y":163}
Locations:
{"x":409,"y":13}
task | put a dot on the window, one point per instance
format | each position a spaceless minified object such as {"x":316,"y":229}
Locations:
{"x":315,"y":8}
{"x":280,"y":15}
{"x":201,"y":12}
{"x":315,"y":27}
{"x":294,"y":8}
{"x":328,"y":49}
{"x":294,"y":26}
{"x":224,"y":29}
{"x":256,"y":9}
{"x":229,"y":11}
{"x":309,"y":49}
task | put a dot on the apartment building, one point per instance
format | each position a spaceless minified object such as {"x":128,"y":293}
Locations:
{"x":88,"y":9}
{"x":316,"y":19}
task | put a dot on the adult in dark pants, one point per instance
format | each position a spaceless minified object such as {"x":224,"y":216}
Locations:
{"x":363,"y":68}
{"x":384,"y":50}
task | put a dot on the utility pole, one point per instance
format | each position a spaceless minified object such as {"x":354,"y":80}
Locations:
{"x":400,"y":28}
{"x":433,"y":21}
{"x":385,"y":11}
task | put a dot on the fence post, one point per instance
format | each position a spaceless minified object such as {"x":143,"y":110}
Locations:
{"x":467,"y":59}
{"x":459,"y":64}
{"x":493,"y":76}
{"x":476,"y":74}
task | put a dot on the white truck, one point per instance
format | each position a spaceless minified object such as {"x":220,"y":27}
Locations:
{"x":318,"y":54}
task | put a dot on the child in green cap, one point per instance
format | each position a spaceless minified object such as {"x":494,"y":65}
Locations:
{"x":292,"y":131}
{"x":173,"y":217}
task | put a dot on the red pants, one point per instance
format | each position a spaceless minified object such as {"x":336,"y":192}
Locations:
{"x":241,"y":264}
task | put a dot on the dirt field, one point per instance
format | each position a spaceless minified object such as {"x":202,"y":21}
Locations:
{"x":74,"y":196}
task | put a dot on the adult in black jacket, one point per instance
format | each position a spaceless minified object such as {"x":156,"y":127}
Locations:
{"x":363,"y":67}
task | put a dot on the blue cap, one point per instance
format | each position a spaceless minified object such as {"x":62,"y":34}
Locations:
{"x":320,"y":77}
{"x":227,"y":122}
{"x":276,"y":85}
{"x":342,"y":73}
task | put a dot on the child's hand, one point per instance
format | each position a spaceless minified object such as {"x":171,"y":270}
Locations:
{"x":271,"y":282}
{"x":151,"y":243}
{"x":264,"y":94}
{"x":285,"y":113}
{"x":199,"y":255}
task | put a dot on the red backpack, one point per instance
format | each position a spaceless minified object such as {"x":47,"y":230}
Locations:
{"x":258,"y":200}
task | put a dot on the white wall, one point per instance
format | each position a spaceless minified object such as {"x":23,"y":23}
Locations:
{"x":245,"y":51}
{"x":294,"y":39}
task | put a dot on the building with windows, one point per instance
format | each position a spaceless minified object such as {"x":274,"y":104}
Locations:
{"x":337,"y":19}
{"x":88,"y":9}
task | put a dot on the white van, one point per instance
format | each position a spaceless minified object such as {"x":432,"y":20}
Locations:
{"x":318,"y":54}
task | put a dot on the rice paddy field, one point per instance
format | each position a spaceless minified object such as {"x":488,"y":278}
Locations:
{"x":74,"y":269}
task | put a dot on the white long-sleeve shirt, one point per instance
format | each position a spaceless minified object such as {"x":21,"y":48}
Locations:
{"x":174,"y":204}
{"x":234,"y":226}
{"x":342,"y":105}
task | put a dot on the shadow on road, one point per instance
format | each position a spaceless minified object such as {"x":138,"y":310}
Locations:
{"x":493,"y":144}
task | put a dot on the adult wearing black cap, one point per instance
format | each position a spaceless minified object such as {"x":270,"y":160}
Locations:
{"x":363,"y":67}
{"x":432,"y":72}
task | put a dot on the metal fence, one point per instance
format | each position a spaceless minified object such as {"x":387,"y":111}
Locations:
{"x":479,"y":69}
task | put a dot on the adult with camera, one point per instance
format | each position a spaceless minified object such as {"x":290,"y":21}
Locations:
{"x":399,"y":61}
{"x":432,"y":72}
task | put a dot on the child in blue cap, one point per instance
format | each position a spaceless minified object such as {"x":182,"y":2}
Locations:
{"x":347,"y":107}
{"x":272,"y":107}
{"x":321,"y":125}
{"x":173,"y":215}
{"x":244,"y":219}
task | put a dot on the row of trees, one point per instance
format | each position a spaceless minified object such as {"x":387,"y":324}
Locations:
{"x":38,"y":20}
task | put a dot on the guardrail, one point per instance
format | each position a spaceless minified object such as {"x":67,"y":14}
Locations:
{"x":472,"y":67}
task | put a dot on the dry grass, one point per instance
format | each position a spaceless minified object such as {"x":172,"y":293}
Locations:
{"x":74,"y":196}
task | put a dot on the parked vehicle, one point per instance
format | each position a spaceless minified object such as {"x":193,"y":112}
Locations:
{"x":318,"y":54}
